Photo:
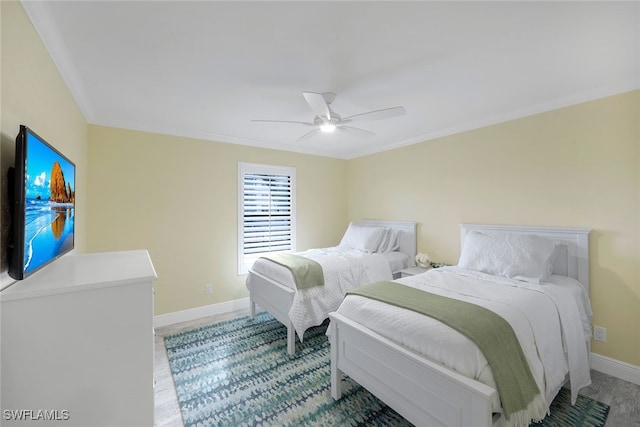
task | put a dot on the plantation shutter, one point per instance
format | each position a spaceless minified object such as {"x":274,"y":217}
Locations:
{"x":267,"y":211}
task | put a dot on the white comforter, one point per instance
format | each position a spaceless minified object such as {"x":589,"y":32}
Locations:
{"x":548,"y":319}
{"x":343,"y":269}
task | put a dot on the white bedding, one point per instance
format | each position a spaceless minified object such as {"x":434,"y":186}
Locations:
{"x":547,"y":318}
{"x":397,"y":261}
{"x":343,"y":269}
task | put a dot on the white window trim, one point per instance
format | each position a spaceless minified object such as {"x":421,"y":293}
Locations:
{"x":243,"y":168}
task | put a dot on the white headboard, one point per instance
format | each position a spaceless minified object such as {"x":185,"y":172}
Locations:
{"x":407,"y":235}
{"x":573,"y":259}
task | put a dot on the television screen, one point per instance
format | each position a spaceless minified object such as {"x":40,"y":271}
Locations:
{"x":44,"y":205}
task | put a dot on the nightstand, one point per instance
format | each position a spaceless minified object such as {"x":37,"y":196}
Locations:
{"x":412,"y":271}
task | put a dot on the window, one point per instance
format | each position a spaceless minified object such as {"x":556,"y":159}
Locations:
{"x":266,"y":211}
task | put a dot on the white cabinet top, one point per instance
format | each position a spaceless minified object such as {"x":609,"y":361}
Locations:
{"x":75,"y":272}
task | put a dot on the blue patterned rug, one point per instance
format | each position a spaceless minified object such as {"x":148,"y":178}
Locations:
{"x":238,"y":373}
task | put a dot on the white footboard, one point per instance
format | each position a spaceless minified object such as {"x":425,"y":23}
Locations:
{"x":423,"y":392}
{"x":274,"y":298}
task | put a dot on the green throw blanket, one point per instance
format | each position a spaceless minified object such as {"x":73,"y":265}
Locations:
{"x":516,"y":386}
{"x":306,"y":272}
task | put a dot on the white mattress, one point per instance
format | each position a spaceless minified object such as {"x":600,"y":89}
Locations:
{"x":532,"y":310}
{"x":397,"y":260}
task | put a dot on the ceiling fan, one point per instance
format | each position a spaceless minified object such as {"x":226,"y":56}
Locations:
{"x":327,"y":120}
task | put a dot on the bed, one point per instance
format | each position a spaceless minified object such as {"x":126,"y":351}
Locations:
{"x":425,"y":389}
{"x":272,"y":287}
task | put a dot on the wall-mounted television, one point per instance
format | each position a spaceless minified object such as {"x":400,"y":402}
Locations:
{"x":42,"y":186}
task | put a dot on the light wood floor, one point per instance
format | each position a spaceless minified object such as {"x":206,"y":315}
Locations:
{"x":622,"y":396}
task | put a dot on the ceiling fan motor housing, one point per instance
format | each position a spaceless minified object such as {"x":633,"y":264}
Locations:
{"x":334,"y":120}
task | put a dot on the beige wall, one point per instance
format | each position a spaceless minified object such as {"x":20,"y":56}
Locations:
{"x":177,"y":197}
{"x":576,"y":166}
{"x":34,"y":94}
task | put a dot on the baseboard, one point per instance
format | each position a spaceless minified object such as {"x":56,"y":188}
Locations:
{"x":615,"y":368}
{"x":199,"y":312}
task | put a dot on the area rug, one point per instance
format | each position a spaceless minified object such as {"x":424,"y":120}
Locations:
{"x":238,"y":373}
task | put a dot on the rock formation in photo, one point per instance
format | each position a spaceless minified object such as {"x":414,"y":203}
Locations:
{"x":60,"y":191}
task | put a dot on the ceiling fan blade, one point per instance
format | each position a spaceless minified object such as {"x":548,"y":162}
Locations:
{"x":318,"y":104}
{"x":386,"y":113}
{"x":356,"y":132}
{"x":308,"y":135}
{"x":285,"y":121}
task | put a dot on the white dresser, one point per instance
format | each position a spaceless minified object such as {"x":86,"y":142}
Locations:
{"x":77,"y":343}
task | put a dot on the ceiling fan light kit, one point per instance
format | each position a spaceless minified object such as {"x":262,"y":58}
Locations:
{"x":328,"y":121}
{"x":327,"y":127}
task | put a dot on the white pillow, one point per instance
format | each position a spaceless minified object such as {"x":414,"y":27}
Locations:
{"x":366,"y":239}
{"x":384,"y":241}
{"x":390,"y":243}
{"x":522,"y":257}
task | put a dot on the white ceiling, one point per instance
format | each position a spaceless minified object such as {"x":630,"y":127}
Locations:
{"x":205,"y":69}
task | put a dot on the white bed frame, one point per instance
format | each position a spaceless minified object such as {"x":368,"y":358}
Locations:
{"x":422,"y":391}
{"x":277,"y":298}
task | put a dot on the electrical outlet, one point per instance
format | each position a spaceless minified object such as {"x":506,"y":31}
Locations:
{"x":208,"y":288}
{"x":599,"y":333}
